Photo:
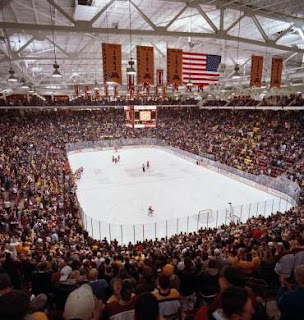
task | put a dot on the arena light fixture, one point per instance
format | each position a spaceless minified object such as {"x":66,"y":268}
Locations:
{"x":236,"y":74}
{"x":24,"y":85}
{"x":31,"y":90}
{"x":130,"y":69}
{"x":56,"y":73}
{"x":12,"y":78}
{"x":96,"y":87}
{"x":189,"y":82}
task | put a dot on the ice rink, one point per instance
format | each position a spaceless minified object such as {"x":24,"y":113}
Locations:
{"x":121,"y":193}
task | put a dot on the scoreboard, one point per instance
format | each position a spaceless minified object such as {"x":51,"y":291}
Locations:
{"x":140,"y":116}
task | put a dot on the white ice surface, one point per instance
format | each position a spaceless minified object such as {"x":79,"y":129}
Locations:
{"x":121,"y":193}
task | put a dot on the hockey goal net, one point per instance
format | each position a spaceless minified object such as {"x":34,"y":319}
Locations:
{"x":205,"y":217}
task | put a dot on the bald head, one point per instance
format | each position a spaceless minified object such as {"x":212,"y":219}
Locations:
{"x":299,"y":274}
{"x":93,"y":274}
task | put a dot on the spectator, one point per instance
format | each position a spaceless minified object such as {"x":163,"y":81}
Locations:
{"x":168,"y":299}
{"x":122,"y":309}
{"x":235,"y":305}
{"x":14,"y":305}
{"x":146,"y":307}
{"x":81,"y":305}
{"x":290,"y":300}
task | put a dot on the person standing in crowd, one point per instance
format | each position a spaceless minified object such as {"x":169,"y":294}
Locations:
{"x":168,"y":299}
{"x":122,"y":309}
{"x":188,"y":285}
{"x":290,"y":299}
{"x":235,"y":304}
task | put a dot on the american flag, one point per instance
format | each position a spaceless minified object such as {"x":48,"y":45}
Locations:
{"x":201,"y":68}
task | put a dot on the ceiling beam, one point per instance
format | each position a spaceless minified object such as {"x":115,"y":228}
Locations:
{"x":235,"y":22}
{"x":159,"y":32}
{"x":4,"y":3}
{"x":35,"y":10}
{"x":101,"y":11}
{"x":222,"y":16}
{"x":25,"y":45}
{"x":205,"y":16}
{"x":151,"y":24}
{"x":15,"y":13}
{"x":236,"y":5}
{"x":51,"y":58}
{"x":264,"y":13}
{"x":57,"y":46}
{"x":177,"y":16}
{"x":63,"y":12}
{"x":260,"y":28}
{"x":283,"y":33}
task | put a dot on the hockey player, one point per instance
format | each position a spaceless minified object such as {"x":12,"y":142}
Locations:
{"x":143,"y":168}
{"x":118,"y":158}
{"x":148,"y":164}
{"x":150,"y":211}
{"x":113,"y":158}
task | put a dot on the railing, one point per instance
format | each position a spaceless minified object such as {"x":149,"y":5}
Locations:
{"x":287,"y":193}
{"x":125,"y":233}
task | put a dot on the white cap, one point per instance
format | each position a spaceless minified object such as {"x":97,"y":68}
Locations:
{"x":80,"y":304}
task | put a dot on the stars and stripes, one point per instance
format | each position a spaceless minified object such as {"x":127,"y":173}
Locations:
{"x":201,"y":68}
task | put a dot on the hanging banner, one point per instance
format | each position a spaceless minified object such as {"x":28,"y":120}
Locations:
{"x":276,"y":72}
{"x":159,"y":77}
{"x":85,"y":91}
{"x":76,"y":90}
{"x":256,"y":71}
{"x":96,"y":94}
{"x":111,"y":60}
{"x":145,"y":65}
{"x":174,"y":67}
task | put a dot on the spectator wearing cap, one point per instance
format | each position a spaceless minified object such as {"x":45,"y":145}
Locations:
{"x":82,"y":305}
{"x":168,"y":299}
{"x":63,"y":288}
{"x":290,"y":301}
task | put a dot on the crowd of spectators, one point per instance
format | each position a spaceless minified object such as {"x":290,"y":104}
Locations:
{"x":45,"y":251}
{"x":170,"y":100}
{"x":241,"y":101}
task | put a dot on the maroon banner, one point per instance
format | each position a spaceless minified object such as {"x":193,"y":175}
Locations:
{"x":174,"y":67}
{"x":256,"y":71}
{"x":145,"y":65}
{"x":276,"y":72}
{"x":111,"y":61}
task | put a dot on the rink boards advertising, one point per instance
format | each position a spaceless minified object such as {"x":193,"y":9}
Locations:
{"x":140,"y":116}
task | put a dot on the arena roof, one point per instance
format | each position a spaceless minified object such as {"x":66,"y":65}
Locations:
{"x":226,"y":27}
